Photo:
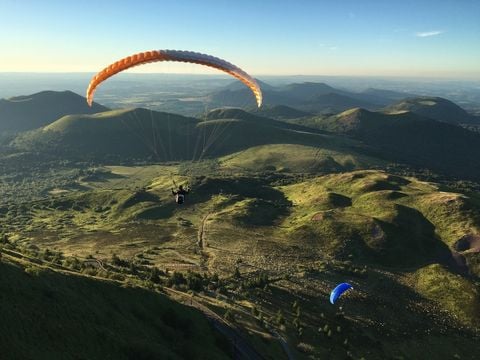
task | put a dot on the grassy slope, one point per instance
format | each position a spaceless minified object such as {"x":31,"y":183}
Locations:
{"x":33,"y":111}
{"x":434,"y":108}
{"x":297,"y":158}
{"x":365,"y":217}
{"x":308,"y":234}
{"x":141,"y":133}
{"x":46,"y":314}
{"x":412,"y":139}
{"x":364,"y":221}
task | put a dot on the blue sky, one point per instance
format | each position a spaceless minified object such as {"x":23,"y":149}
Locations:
{"x":338,"y":37}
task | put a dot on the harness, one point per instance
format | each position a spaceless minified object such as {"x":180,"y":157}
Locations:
{"x":179,"y":198}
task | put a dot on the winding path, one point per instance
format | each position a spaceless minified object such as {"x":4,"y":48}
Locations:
{"x":201,"y":231}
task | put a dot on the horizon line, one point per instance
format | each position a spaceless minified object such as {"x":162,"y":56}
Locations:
{"x":439,"y":77}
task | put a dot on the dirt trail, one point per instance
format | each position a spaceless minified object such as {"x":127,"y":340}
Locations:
{"x":201,"y":231}
{"x":201,"y":241}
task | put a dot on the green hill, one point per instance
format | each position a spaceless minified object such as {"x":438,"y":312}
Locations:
{"x":50,"y":315}
{"x":435,"y":108}
{"x":281,"y":112}
{"x":34,"y":111}
{"x":412,"y":139}
{"x":268,"y":243}
{"x":145,"y":134}
{"x":254,"y":118}
{"x":307,"y":96}
{"x":132,"y":133}
{"x":299,"y":158}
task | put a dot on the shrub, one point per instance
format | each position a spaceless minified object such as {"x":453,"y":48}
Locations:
{"x":258,"y":281}
{"x":176,"y":279}
{"x":33,"y":270}
{"x":237,"y":274}
{"x":154,"y":275}
{"x":228,"y":316}
{"x":115,"y":260}
{"x":279,"y":318}
{"x":305,"y":348}
{"x":194,"y":281}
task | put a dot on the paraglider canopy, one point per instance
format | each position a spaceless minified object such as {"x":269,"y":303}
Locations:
{"x":338,"y":291}
{"x":173,"y":55}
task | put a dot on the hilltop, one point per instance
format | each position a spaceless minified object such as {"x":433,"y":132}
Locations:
{"x":384,"y":97}
{"x":412,"y":139}
{"x":281,"y":112}
{"x":307,"y":97}
{"x":435,"y":108}
{"x":34,"y":111}
{"x":142,"y":133}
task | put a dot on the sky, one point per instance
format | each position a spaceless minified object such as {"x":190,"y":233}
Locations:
{"x":338,"y":37}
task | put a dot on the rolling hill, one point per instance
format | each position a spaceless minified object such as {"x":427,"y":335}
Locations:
{"x":145,"y":134}
{"x":264,"y":245}
{"x":384,"y":97}
{"x":51,"y":313}
{"x":23,"y":113}
{"x":281,"y":112}
{"x":435,"y":108}
{"x":412,"y":139}
{"x":308,"y":97}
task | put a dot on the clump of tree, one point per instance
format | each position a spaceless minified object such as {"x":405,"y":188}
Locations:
{"x":54,"y":257}
{"x":228,"y":316}
{"x":279,"y":318}
{"x":194,"y":281}
{"x":258,"y":281}
{"x":155,"y":275}
{"x":176,"y":279}
{"x":117,"y":261}
{"x":73,"y":263}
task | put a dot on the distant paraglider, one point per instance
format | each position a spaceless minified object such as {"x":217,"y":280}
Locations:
{"x":173,"y":55}
{"x":338,"y":291}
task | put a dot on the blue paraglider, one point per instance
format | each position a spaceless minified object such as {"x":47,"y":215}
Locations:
{"x":338,"y":291}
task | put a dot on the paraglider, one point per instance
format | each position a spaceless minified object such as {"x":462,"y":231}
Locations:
{"x":173,"y":55}
{"x":338,"y":291}
{"x":180,"y":194}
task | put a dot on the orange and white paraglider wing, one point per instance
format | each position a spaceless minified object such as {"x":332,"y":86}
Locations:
{"x":173,"y":55}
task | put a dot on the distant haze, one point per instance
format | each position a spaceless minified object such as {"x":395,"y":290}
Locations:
{"x":154,"y":87}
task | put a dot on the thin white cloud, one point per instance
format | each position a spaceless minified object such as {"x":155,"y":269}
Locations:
{"x":429,"y":33}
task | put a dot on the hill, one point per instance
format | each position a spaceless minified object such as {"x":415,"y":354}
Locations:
{"x":281,"y":112}
{"x":383,"y":97}
{"x":435,"y":108}
{"x":134,"y":133}
{"x":34,"y":111}
{"x":308,"y":97}
{"x":264,"y":244}
{"x":80,"y":317}
{"x":413,"y":139}
{"x":334,"y":102}
{"x":145,"y":134}
{"x":307,"y":90}
{"x":255,"y":118}
{"x":237,"y":85}
{"x":291,"y":158}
